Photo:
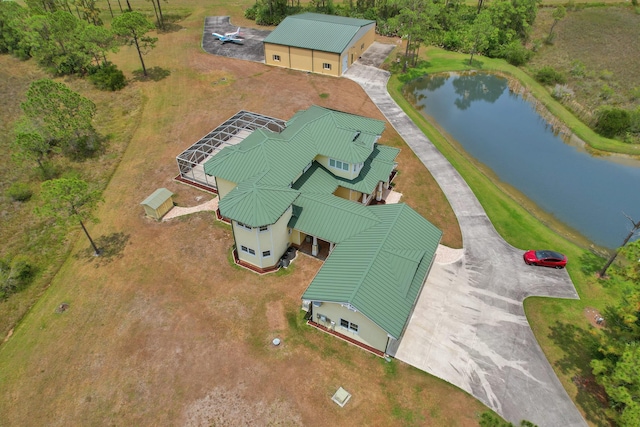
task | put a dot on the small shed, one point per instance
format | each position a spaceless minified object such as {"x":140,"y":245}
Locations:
{"x":158,"y":203}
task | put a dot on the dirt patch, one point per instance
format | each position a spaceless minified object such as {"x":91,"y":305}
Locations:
{"x":594,"y":317}
{"x":275,"y":316}
{"x":224,"y":407}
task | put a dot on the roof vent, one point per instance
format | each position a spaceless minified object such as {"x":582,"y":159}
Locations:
{"x":356,"y":135}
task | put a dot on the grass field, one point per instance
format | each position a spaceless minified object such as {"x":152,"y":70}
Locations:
{"x":597,"y":50}
{"x":163,"y":330}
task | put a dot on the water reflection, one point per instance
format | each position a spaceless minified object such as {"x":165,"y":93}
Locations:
{"x":476,"y":87}
{"x":507,"y":134}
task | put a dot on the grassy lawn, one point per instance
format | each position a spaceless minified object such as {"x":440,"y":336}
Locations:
{"x":163,"y":330}
{"x":562,"y":327}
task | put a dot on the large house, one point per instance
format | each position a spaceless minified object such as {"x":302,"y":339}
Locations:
{"x":314,"y":183}
{"x":318,"y":43}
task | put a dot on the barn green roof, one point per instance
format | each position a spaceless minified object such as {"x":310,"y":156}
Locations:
{"x":380,"y":271}
{"x":327,"y":33}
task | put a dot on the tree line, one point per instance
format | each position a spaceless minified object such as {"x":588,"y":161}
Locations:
{"x":68,"y":37}
{"x":496,"y":30}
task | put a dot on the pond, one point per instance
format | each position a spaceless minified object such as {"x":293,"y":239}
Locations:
{"x":503,"y":131}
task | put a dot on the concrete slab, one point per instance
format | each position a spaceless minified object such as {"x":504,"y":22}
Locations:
{"x":469,"y":326}
{"x":376,"y":54}
{"x":251,"y":50}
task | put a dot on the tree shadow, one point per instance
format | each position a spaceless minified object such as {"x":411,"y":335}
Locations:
{"x":475,"y":63}
{"x":590,"y":263}
{"x":579,"y":347}
{"x":111,"y":248}
{"x":170,"y":27}
{"x":155,"y":73}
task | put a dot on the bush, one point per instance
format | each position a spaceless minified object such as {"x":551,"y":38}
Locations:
{"x":562,"y":92}
{"x":107,"y":77}
{"x":634,"y":125}
{"x":19,"y":192}
{"x":548,"y":76}
{"x":606,"y":91}
{"x":612,"y":122}
{"x":250,"y":13}
{"x":15,"y":274}
{"x":515,"y":53}
{"x":578,"y":69}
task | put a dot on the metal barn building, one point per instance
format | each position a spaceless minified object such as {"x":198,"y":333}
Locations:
{"x":317,"y":43}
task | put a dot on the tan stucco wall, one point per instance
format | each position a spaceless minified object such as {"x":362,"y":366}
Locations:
{"x":368,"y":332}
{"x":274,"y":239}
{"x":297,"y":237}
{"x":276,"y":49}
{"x":356,"y":50}
{"x":224,"y":187}
{"x":161,"y":210}
{"x":348,"y":194}
{"x":301,"y":59}
{"x":320,"y":58}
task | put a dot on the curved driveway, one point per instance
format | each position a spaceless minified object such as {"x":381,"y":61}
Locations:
{"x":469,"y":326}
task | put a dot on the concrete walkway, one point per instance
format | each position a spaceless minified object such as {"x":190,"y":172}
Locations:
{"x":176,"y":211}
{"x":469,"y":326}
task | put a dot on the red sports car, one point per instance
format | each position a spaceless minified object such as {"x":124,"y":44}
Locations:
{"x":545,"y":258}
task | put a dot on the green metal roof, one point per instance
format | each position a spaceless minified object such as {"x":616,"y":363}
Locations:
{"x":330,"y":217}
{"x":327,"y":33}
{"x":316,"y":180}
{"x":157,"y":198}
{"x":380,"y":271}
{"x":377,"y":168}
{"x":255,"y":204}
{"x":283,"y":156}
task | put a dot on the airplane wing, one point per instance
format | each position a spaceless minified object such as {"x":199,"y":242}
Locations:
{"x":220,"y":36}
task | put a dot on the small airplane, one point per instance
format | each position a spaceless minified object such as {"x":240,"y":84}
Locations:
{"x":233,"y":37}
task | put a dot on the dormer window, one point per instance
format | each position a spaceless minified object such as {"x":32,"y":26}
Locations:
{"x":337,"y":164}
{"x":356,"y":136}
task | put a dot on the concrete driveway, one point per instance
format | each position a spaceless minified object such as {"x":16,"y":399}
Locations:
{"x":252,"y":48}
{"x":469,"y":326}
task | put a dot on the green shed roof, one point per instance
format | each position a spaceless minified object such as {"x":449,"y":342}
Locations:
{"x":381,"y":270}
{"x":327,"y":33}
{"x":157,"y":198}
{"x":255,"y":204}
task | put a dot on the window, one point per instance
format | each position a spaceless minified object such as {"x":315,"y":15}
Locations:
{"x":246,"y":227}
{"x":264,"y":228}
{"x":247,"y":250}
{"x":338,"y":164}
{"x":326,"y":66}
{"x":276,"y":58}
{"x":352,"y":327}
{"x":266,"y":254}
